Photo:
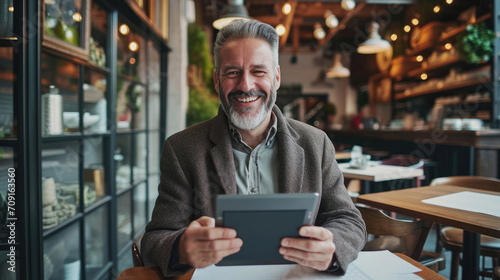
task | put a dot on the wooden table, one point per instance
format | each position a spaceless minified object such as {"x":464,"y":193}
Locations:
{"x":152,"y":273}
{"x":376,"y":172}
{"x":409,"y":202}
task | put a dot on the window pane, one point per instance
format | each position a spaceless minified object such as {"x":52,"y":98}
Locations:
{"x":94,"y":173}
{"x":125,"y":262}
{"x":154,"y":152}
{"x":96,"y":241}
{"x":139,"y":207}
{"x":154,"y":87}
{"x":63,"y":20}
{"x":61,"y":254}
{"x":95,"y":102}
{"x":139,"y":107}
{"x":154,"y":180}
{"x":59,"y":96}
{"x":7,"y":19}
{"x":60,"y":182}
{"x":4,"y":266}
{"x":141,"y":157}
{"x":7,"y":129}
{"x":98,"y":31}
{"x":123,"y":162}
{"x":124,"y":221}
{"x":7,"y":189}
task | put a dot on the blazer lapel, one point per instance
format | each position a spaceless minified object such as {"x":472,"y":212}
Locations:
{"x":222,"y":154}
{"x":291,"y":157}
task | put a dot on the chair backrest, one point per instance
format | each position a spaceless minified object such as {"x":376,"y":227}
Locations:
{"x":136,"y":253}
{"x":412,"y":234}
{"x":477,"y":182}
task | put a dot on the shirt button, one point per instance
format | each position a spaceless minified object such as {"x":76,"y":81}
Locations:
{"x":253,"y":190}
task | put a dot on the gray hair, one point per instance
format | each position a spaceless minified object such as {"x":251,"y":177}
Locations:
{"x":241,"y":29}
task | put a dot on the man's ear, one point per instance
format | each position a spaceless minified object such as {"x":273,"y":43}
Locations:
{"x":216,"y":81}
{"x":278,"y":77}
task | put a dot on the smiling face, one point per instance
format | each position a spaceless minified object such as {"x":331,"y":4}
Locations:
{"x":247,"y":83}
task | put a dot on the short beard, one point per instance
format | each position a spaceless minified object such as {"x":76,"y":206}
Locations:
{"x":247,"y":121}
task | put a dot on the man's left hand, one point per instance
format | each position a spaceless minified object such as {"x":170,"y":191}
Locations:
{"x":315,"y":251}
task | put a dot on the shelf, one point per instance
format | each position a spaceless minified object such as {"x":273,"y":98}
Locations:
{"x":431,"y":67}
{"x":449,"y":86}
{"x":445,"y":36}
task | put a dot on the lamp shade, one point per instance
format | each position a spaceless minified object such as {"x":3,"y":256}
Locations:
{"x":234,"y":10}
{"x":374,"y":43}
{"x":338,"y":70}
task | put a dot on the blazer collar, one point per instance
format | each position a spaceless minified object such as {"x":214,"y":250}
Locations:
{"x":291,"y":155}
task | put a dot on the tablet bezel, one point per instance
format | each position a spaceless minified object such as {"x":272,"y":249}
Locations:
{"x":307,"y":202}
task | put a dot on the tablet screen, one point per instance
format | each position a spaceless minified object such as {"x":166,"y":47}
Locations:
{"x":261,"y":221}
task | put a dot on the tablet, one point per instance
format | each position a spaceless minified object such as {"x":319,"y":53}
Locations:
{"x":261,"y":221}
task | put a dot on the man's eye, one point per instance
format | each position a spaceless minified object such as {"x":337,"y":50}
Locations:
{"x":232,"y":74}
{"x":259,"y":72}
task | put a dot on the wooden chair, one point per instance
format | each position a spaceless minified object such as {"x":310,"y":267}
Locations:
{"x":400,"y":236}
{"x":136,"y":253}
{"x":452,"y":238}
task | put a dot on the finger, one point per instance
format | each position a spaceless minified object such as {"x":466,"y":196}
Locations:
{"x":217,"y":245}
{"x":319,"y":233}
{"x":303,"y":255}
{"x":206,"y":221}
{"x":312,"y":264}
{"x":210,"y":233}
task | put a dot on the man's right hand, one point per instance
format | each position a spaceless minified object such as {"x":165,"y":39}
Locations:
{"x":203,"y":244}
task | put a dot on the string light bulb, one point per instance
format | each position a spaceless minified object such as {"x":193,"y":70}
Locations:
{"x":415,"y":21}
{"x":448,"y":46}
{"x":407,"y":28}
{"x":394,"y":37}
{"x":124,"y":29}
{"x":330,"y":19}
{"x":348,"y":4}
{"x":436,"y":9}
{"x":287,"y":8}
{"x":319,"y":33}
{"x":11,"y":8}
{"x":419,"y":58}
{"x":280,"y":29}
{"x":449,"y":2}
{"x":133,"y":46}
{"x":423,"y":76}
{"x":77,"y":17}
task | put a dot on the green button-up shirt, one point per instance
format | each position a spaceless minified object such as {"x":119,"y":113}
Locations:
{"x":257,"y":169}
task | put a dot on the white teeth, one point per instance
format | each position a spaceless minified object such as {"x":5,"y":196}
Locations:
{"x":247,"y":99}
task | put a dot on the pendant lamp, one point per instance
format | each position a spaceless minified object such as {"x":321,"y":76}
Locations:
{"x":338,"y":70}
{"x":235,"y":9}
{"x":374,"y":43}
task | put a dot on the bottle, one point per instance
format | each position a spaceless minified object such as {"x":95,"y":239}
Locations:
{"x":52,"y":109}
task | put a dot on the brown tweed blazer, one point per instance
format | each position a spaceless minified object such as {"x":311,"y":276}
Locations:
{"x":197,"y":164}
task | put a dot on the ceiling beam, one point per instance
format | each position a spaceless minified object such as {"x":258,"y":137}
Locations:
{"x":288,"y":22}
{"x":343,"y":22}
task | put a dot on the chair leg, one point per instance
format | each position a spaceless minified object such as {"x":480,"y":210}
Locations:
{"x":455,"y":263}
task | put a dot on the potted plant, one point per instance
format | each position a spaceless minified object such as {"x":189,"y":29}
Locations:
{"x":475,"y":45}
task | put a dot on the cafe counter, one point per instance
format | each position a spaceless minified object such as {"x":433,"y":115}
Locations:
{"x":457,"y":152}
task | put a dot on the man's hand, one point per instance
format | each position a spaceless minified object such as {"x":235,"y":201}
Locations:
{"x":316,"y":251}
{"x":203,"y":244}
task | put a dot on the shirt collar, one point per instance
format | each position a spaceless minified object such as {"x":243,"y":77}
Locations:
{"x":235,"y":133}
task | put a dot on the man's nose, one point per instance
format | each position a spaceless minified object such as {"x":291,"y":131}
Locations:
{"x":246,"y":82}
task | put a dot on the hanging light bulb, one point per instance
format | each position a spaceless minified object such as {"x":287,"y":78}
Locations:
{"x":407,"y":28}
{"x":394,"y":37}
{"x":348,"y":4}
{"x":338,"y":70}
{"x":449,"y":1}
{"x":280,"y":29}
{"x":287,"y":8}
{"x":235,"y":9}
{"x":330,"y":19}
{"x":133,"y":46}
{"x":374,"y":43}
{"x":124,"y":29}
{"x":77,"y":17}
{"x":415,"y":21}
{"x":319,"y":33}
{"x":436,"y":9}
{"x":420,"y":58}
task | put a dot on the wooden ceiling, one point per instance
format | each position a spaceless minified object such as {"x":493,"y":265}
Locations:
{"x":300,"y":22}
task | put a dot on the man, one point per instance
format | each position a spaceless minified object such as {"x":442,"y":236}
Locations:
{"x":249,"y":148}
